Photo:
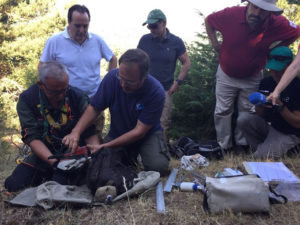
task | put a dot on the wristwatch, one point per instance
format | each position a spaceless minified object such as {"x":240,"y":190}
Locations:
{"x":179,"y":82}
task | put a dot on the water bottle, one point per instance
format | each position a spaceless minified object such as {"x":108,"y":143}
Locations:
{"x":189,"y":186}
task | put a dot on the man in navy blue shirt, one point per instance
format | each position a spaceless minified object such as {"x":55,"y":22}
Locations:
{"x":164,"y":48}
{"x":135,"y":100}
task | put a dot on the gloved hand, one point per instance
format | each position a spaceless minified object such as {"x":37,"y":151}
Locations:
{"x":70,"y":164}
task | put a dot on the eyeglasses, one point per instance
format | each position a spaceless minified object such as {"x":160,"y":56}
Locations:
{"x":279,"y":58}
{"x":153,"y":26}
{"x":55,"y":92}
{"x":128,"y":82}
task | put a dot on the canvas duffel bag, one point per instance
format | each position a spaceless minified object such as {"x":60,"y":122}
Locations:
{"x":246,"y":193}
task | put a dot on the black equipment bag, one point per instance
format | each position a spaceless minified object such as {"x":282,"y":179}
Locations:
{"x":187,"y":146}
{"x":108,"y":167}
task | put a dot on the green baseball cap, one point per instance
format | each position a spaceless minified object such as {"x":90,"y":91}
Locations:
{"x":279,"y":58}
{"x":154,"y":16}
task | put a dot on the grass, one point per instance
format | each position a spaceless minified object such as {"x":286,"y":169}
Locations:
{"x":181,"y":207}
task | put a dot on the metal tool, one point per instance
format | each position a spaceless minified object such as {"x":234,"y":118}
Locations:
{"x":180,"y":180}
{"x":171,"y":180}
{"x":203,"y":178}
{"x":160,"y":201}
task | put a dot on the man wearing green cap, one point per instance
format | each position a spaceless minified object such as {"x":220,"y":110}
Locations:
{"x":164,"y":49}
{"x":274,"y":130}
{"x":248,"y":33}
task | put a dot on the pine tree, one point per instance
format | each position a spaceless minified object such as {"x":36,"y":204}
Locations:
{"x":25,"y":26}
{"x":194,"y":103}
{"x":291,"y":10}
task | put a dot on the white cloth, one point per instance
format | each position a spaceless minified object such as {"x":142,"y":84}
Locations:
{"x":192,"y":162}
{"x":72,"y":164}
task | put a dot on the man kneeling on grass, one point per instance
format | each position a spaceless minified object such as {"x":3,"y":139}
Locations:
{"x":274,"y":130}
{"x":48,"y":111}
{"x":135,"y":100}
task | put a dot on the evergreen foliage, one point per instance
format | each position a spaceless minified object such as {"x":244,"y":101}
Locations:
{"x":194,"y":103}
{"x":292,"y":12}
{"x":294,"y":2}
{"x":25,"y":25}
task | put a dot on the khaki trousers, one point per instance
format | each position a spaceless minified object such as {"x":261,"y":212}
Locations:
{"x":165,"y":119}
{"x":228,"y":91}
{"x":266,"y":140}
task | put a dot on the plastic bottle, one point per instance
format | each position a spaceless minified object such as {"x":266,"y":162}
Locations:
{"x":189,"y":186}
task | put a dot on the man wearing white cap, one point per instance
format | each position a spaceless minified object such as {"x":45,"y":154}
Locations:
{"x":249,"y":34}
{"x":273,"y":130}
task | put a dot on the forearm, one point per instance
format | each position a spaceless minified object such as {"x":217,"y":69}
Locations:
{"x":86,"y":120}
{"x":131,"y":136}
{"x":42,"y":151}
{"x":112,"y":63}
{"x":125,"y":139}
{"x":260,"y":111}
{"x":184,"y":70}
{"x":185,"y":66}
{"x":212,"y":35}
{"x":292,"y":118}
{"x":92,"y":140}
{"x":291,"y":72}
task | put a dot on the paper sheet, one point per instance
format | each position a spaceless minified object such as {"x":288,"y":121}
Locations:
{"x":271,"y":171}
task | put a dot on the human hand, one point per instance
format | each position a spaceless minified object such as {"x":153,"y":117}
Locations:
{"x":173,"y":88}
{"x":279,"y":106}
{"x":71,"y":141}
{"x":217,"y":47}
{"x":274,"y":98}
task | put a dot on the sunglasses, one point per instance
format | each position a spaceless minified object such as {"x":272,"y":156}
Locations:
{"x":152,"y":26}
{"x":279,"y":58}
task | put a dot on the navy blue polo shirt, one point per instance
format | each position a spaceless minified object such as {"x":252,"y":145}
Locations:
{"x":163,"y":56}
{"x":145,"y":105}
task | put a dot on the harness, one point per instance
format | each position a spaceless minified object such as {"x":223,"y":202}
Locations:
{"x":50,"y":126}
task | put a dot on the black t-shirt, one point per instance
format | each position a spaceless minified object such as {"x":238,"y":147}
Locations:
{"x":290,"y":97}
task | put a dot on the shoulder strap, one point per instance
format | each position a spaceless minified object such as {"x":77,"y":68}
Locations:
{"x":275,"y":198}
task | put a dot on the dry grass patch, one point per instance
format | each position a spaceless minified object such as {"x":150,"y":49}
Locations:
{"x":184,"y":208}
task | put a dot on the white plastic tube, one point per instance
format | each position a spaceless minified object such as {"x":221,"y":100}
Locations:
{"x":188,"y":186}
